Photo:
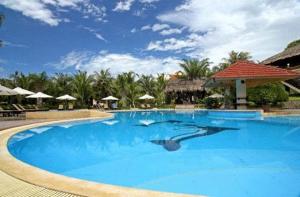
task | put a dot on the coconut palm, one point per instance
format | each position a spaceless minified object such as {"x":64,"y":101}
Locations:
{"x":82,"y":87}
{"x":38,"y":81}
{"x":147,"y":84}
{"x":62,"y":84}
{"x":195,"y":69}
{"x":160,"y":86}
{"x":103,"y":83}
{"x":233,"y":58}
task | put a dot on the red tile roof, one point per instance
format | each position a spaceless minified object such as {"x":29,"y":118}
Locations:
{"x":247,"y":69}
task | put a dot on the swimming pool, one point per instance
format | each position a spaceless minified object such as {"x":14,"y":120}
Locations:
{"x":203,"y":152}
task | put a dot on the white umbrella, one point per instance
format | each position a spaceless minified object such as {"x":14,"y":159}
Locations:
{"x":22,"y":91}
{"x":39,"y":95}
{"x":7,"y":91}
{"x":66,"y":98}
{"x":110,"y":98}
{"x":146,"y":97}
{"x":216,"y":96}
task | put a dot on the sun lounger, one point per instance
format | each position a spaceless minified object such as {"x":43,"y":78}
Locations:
{"x":105,"y":106}
{"x":60,"y":107}
{"x":148,"y":106}
{"x":143,"y":106}
{"x":71,"y":106}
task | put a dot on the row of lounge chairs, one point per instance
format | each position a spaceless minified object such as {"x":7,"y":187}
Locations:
{"x":69,"y":107}
{"x":17,"y":111}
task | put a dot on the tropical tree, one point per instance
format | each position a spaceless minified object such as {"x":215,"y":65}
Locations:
{"x":195,"y":69}
{"x":160,"y":86}
{"x":103,"y":83}
{"x":147,"y":84}
{"x":82,"y":87}
{"x":133,"y":90}
{"x":38,"y":81}
{"x":122,"y":84}
{"x":62,"y":84}
{"x":233,"y":58}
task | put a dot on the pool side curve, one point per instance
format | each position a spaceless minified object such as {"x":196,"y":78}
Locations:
{"x":25,"y":172}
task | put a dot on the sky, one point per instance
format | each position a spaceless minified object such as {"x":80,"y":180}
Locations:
{"x":144,"y":36}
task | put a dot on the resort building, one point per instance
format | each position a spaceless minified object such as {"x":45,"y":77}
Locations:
{"x":183,"y":91}
{"x":244,"y":74}
{"x":288,"y":59}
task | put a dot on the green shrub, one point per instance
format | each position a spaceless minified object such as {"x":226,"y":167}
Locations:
{"x":213,"y":103}
{"x":272,"y":93}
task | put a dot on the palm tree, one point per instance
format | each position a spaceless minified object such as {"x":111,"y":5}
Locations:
{"x":123,"y":88}
{"x":133,"y":90}
{"x":82,"y":87}
{"x":38,"y":81}
{"x":62,"y":84}
{"x":103,"y":83}
{"x":160,"y":86}
{"x":233,"y":58}
{"x":147,"y":84}
{"x":195,"y":69}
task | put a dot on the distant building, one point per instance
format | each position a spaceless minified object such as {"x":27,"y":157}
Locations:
{"x":288,"y":59}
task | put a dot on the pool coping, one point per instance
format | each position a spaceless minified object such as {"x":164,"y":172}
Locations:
{"x":39,"y":177}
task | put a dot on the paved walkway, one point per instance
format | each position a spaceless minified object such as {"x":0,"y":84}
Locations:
{"x":10,"y":186}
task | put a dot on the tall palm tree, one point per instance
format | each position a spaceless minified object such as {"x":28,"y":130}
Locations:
{"x":82,"y":87}
{"x":147,"y":84}
{"x":133,"y":90}
{"x":233,"y":58}
{"x":38,"y":81}
{"x":122,"y":86}
{"x":195,"y":69}
{"x":160,"y":86}
{"x":62,"y":84}
{"x":103,"y":83}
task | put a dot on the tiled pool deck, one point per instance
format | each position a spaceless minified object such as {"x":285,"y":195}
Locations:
{"x":10,"y":186}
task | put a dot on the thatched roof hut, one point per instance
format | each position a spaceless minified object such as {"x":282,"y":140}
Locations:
{"x":290,"y":57}
{"x":182,"y":85}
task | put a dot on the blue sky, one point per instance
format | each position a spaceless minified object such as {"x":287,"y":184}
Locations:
{"x":145,"y":36}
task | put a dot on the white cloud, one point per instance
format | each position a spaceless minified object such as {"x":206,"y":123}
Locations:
{"x":173,"y":44}
{"x":146,"y":27}
{"x":262,"y":27}
{"x":93,"y":31}
{"x":133,"y":30}
{"x":117,"y":63}
{"x":149,"y":1}
{"x":124,"y":5}
{"x":158,"y":27}
{"x":170,"y":31}
{"x":40,"y":9}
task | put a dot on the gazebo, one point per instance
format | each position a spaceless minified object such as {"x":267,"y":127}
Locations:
{"x":243,"y":74}
{"x":185,"y":91}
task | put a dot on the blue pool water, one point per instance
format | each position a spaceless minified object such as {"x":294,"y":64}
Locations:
{"x":191,"y":152}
